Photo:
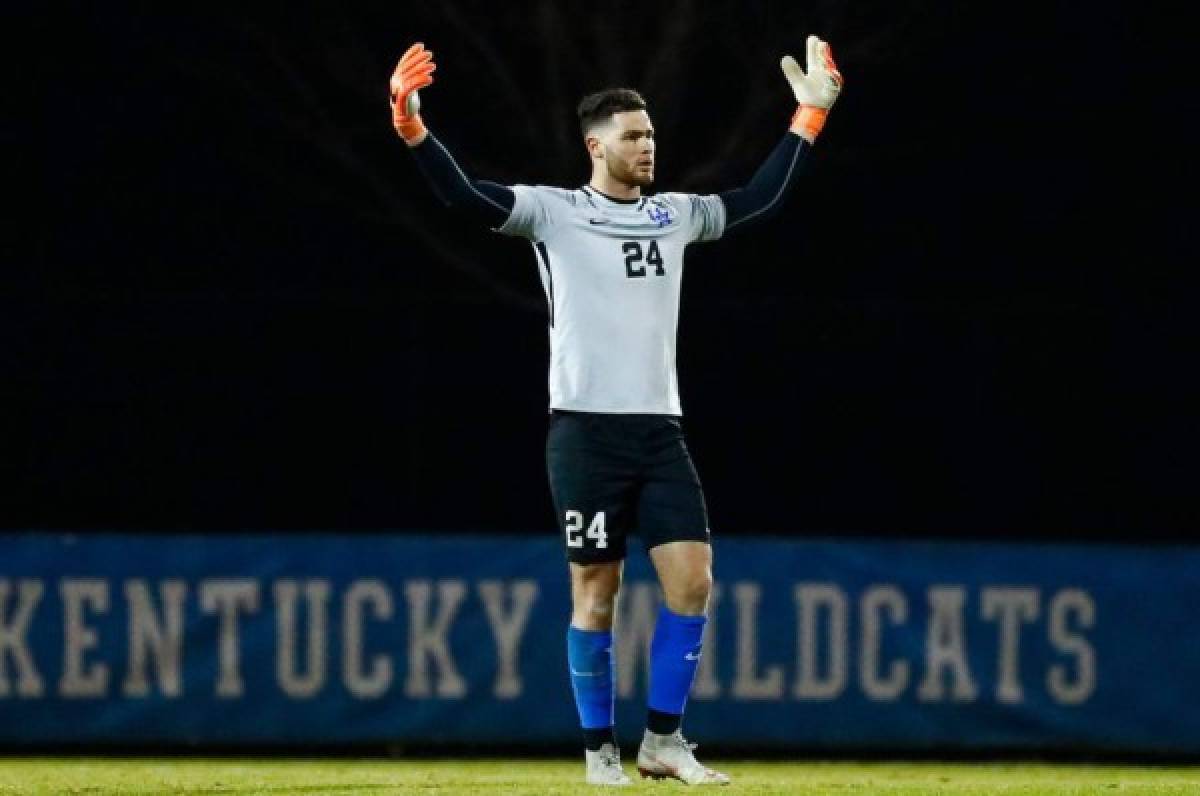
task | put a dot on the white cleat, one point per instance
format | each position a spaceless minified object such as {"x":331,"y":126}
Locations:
{"x":604,"y":766}
{"x":662,"y":756}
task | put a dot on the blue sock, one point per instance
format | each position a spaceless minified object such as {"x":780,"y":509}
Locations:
{"x":674,"y":655}
{"x":590,"y":656}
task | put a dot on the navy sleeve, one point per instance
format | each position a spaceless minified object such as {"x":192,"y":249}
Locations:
{"x":490,"y":203}
{"x":773,"y":181}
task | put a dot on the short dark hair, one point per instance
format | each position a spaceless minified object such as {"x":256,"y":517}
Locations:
{"x":598,"y":108}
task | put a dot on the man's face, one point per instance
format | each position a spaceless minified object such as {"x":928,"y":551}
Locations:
{"x":627,"y":145}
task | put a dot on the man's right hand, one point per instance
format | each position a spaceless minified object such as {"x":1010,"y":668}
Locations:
{"x":413,"y":72}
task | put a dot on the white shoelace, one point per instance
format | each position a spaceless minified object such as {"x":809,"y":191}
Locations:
{"x":609,"y":758}
{"x":679,"y":740}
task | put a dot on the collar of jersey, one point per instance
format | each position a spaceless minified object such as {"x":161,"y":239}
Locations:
{"x":589,"y":189}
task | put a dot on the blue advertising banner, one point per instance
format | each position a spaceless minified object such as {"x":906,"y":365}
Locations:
{"x":333,"y":639}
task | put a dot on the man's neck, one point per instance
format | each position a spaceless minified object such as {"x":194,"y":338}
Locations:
{"x":606,"y":185}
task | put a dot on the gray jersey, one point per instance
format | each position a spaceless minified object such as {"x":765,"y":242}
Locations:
{"x":612,"y":272}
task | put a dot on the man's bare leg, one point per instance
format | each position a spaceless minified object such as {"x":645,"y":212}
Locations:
{"x":594,"y":590}
{"x":685,"y":573}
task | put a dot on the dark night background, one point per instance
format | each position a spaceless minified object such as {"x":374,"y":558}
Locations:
{"x":230,"y":302}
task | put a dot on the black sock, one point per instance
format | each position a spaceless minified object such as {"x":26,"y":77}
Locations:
{"x":594,"y":739}
{"x":661,"y":723}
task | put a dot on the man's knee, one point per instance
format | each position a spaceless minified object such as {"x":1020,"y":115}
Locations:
{"x":692,"y":587}
{"x":685,"y":572}
{"x":594,"y":595}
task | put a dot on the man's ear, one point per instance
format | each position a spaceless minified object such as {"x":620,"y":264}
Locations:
{"x":595,"y":147}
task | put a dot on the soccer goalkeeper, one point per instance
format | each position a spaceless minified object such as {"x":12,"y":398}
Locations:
{"x":611,"y":262}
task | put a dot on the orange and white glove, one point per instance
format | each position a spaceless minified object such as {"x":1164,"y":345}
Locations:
{"x":816,"y":90}
{"x":413,"y":72}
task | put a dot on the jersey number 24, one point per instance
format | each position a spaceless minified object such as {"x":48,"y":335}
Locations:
{"x":595,"y":531}
{"x":634,"y":256}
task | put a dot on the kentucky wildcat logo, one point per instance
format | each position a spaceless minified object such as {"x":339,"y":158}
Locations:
{"x":660,"y":212}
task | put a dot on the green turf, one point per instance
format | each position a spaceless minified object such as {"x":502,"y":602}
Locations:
{"x":91,"y":775}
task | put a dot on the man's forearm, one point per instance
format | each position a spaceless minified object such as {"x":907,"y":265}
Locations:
{"x":762,"y":197}
{"x":489,"y":202}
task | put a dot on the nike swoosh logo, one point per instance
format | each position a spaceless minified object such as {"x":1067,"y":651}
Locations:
{"x":691,"y":656}
{"x":586,"y":674}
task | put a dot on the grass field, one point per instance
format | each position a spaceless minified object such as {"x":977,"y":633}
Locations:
{"x":91,"y":775}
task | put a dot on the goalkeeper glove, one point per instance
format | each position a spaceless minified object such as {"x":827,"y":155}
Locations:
{"x":413,"y":72}
{"x":816,"y":91}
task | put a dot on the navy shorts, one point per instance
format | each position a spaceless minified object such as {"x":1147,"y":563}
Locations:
{"x":613,"y":474}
